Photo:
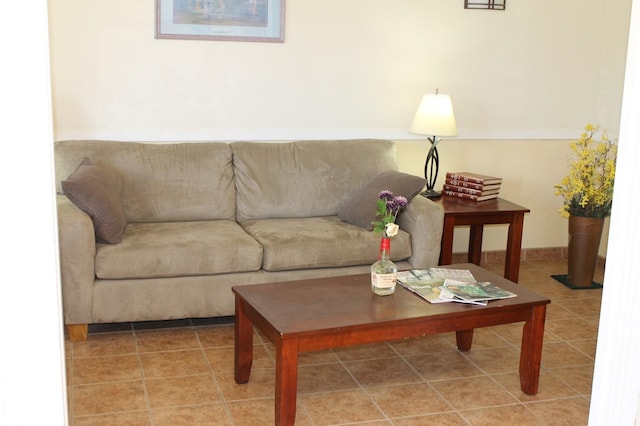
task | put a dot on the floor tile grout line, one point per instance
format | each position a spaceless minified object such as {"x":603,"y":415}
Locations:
{"x":591,"y":357}
{"x":504,"y":388}
{"x":360,"y":385}
{"x":142,"y":375}
{"x":212,"y":373}
{"x":428,"y":382}
{"x":108,"y":413}
{"x":521,"y":404}
{"x":547,"y":369}
{"x":70,"y":378}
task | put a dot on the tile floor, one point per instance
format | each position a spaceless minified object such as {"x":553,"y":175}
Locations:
{"x":182,"y":373}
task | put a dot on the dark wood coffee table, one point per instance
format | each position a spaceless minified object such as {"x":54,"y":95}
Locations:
{"x":317,"y":314}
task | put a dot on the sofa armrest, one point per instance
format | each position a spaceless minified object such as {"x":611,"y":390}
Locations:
{"x":77,"y":261}
{"x":424,"y":220}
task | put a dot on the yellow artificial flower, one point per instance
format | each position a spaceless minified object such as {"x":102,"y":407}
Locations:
{"x":588,"y":188}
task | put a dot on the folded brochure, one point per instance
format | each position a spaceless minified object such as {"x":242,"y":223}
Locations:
{"x":440,"y":285}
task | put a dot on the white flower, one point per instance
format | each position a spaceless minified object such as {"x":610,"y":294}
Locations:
{"x":391,"y":229}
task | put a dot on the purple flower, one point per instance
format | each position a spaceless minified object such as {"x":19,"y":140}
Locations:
{"x":396,"y":204}
{"x":401,"y":201}
{"x":385,"y":195}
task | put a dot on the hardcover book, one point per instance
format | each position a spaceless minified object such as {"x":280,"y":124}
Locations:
{"x":472,"y":191}
{"x":471,"y":197}
{"x":472,"y":185}
{"x":474,"y":178}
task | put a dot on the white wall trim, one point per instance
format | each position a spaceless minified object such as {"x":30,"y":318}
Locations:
{"x":287,"y":134}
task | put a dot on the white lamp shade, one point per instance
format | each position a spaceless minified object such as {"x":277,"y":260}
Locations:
{"x":435,"y":117}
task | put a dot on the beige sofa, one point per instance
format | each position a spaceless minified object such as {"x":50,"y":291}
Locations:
{"x":203,"y":217}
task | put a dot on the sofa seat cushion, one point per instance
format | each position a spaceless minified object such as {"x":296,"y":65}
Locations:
{"x":171,"y":249}
{"x":319,"y":242}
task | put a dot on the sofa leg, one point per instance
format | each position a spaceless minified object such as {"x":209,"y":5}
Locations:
{"x":78,"y":332}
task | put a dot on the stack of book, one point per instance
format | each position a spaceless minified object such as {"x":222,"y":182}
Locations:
{"x":471,"y":186}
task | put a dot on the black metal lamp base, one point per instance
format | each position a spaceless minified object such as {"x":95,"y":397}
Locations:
{"x":430,"y":193}
{"x":431,"y":170}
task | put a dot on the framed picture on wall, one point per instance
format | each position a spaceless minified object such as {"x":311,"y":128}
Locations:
{"x":234,"y":20}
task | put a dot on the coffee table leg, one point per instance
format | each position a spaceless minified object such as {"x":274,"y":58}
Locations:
{"x":464,"y":338}
{"x":286,"y":381}
{"x":531,"y":352}
{"x":243,"y":347}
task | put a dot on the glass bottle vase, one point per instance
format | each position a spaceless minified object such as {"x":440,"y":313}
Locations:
{"x":384,"y":271}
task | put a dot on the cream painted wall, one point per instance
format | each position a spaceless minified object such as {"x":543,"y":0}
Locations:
{"x":522,"y":82}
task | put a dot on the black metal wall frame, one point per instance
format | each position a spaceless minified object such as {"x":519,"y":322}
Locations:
{"x":485,"y":4}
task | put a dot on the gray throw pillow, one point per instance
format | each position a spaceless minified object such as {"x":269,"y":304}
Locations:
{"x":360,"y":208}
{"x":92,"y":189}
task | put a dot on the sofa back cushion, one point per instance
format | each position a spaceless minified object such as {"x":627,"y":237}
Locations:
{"x":304,"y":178}
{"x":159,"y":182}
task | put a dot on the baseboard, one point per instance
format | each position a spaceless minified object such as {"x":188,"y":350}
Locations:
{"x":499,"y":256}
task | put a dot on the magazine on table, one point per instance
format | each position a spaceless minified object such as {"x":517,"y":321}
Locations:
{"x":479,"y":292}
{"x":440,"y":285}
{"x":427,"y":283}
{"x":463,"y":275}
{"x":423,"y":284}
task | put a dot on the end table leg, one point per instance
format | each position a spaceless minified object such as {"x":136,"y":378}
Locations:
{"x":475,"y":244}
{"x":464,"y":338}
{"x":243,"y":347}
{"x":514,"y":247}
{"x":446,"y":245}
{"x":286,"y":381}
{"x":531,"y":352}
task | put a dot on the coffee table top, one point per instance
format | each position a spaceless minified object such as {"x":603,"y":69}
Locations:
{"x":329,"y":303}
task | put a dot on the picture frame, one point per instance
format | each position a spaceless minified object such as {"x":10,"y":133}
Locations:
{"x":231,"y":20}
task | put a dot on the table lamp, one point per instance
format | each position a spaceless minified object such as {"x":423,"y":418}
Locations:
{"x":434,"y":118}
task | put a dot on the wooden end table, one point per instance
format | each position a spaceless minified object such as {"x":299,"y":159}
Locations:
{"x":476,"y":214}
{"x":325,"y":313}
